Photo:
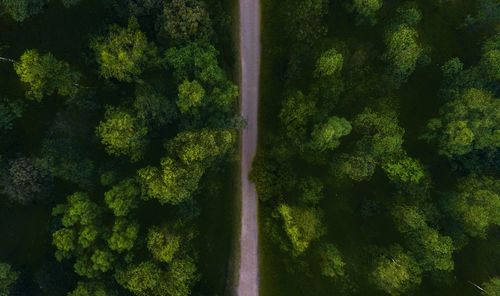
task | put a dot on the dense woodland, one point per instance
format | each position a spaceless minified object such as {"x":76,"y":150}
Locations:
{"x":118,"y":132}
{"x":378,"y":166}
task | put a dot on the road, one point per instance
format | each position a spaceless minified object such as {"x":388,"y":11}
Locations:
{"x":248,"y":281}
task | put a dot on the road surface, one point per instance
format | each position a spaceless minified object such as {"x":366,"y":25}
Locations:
{"x":248,"y":281}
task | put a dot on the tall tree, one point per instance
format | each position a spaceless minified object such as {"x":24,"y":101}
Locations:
{"x":124,"y":53}
{"x":45,"y":75}
{"x":122,"y":134}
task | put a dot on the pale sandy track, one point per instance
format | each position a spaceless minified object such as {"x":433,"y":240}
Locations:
{"x":248,"y":282}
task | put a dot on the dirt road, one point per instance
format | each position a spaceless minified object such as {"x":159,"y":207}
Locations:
{"x":248,"y":283}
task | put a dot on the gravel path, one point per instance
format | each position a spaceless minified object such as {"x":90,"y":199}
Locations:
{"x":248,"y":283}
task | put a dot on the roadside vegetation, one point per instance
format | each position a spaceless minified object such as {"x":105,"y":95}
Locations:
{"x":378,"y":162}
{"x":118,"y":131}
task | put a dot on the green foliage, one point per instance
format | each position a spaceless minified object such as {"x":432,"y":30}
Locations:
{"x":329,"y":63}
{"x":326,"y":136}
{"x":7,"y":278}
{"x":124,"y":53}
{"x":148,"y":279}
{"x":69,"y":3}
{"x":301,"y":225}
{"x":304,"y":19}
{"x":172,"y":183}
{"x":91,"y":289}
{"x":405,"y":170}
{"x":10,"y":110}
{"x":433,"y":250}
{"x":492,"y":287}
{"x":24,"y":181}
{"x":102,"y":260}
{"x":295,"y":113}
{"x":181,"y":277}
{"x":476,"y":204}
{"x":176,"y":181}
{"x":45,"y":75}
{"x":163,"y":244}
{"x":20,"y":10}
{"x":122,"y":134}
{"x":186,"y":20}
{"x":202,"y":147}
{"x":382,"y":137}
{"x":403,"y":53}
{"x":396,"y":272}
{"x":142,"y":279}
{"x":380,"y":143}
{"x":195,"y":62}
{"x":358,"y":167}
{"x":79,"y":210}
{"x":332,"y":264}
{"x":366,"y":10}
{"x":123,"y":197}
{"x":409,"y":219}
{"x":153,"y":108}
{"x":123,"y":236}
{"x":190,"y":96}
{"x":310,"y":190}
{"x":78,"y":237}
{"x":468,"y":123}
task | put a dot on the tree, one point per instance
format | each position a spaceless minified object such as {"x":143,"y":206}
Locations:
{"x":432,"y":250}
{"x":358,"y":167}
{"x":80,"y":219}
{"x":403,"y":53}
{"x":203,"y":146}
{"x":301,"y":225}
{"x":45,"y":75}
{"x":476,"y":204}
{"x":190,"y":96}
{"x":124,"y":53}
{"x":490,"y":62}
{"x":310,"y":190}
{"x":122,"y":134}
{"x":7,"y":278}
{"x":163,"y":244}
{"x":141,"y":279}
{"x":329,"y":63}
{"x":123,"y":236}
{"x":332,"y":264}
{"x":492,"y":287}
{"x":123,"y":197}
{"x":186,"y":20}
{"x":153,"y":108}
{"x":382,"y":137}
{"x":326,"y":136}
{"x":396,"y":272}
{"x":409,"y":219}
{"x":468,"y":123}
{"x":173,"y":183}
{"x":295,"y":114}
{"x":304,"y":20}
{"x":9,"y":111}
{"x":91,"y":289}
{"x":69,"y":3}
{"x":405,"y":170}
{"x":25,"y":182}
{"x":198,"y":62}
{"x":20,"y":10}
{"x":102,"y":260}
{"x":366,"y":10}
{"x":181,"y":277}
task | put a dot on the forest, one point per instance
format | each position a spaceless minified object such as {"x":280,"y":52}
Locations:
{"x":377,"y":170}
{"x":118,"y":140}
{"x":378,"y":162}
